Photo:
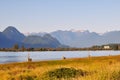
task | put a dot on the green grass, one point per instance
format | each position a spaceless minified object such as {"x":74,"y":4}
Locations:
{"x":94,"y":68}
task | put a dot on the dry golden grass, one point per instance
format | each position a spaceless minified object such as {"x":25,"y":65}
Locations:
{"x":98,"y":68}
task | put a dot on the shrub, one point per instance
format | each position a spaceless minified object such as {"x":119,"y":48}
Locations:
{"x":64,"y":73}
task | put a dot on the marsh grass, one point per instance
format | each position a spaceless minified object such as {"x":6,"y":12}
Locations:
{"x":94,"y":68}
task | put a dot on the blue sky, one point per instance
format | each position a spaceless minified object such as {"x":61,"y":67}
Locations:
{"x":50,"y":15}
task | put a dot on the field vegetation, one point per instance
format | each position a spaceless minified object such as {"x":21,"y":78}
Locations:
{"x":91,"y":68}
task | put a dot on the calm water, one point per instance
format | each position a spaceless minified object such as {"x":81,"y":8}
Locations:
{"x":7,"y":57}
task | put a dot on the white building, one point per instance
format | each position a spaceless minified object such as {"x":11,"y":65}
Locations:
{"x":106,"y":47}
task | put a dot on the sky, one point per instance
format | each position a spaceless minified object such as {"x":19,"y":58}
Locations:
{"x":51,"y":15}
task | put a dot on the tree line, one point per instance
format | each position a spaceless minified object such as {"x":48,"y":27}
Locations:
{"x":16,"y":47}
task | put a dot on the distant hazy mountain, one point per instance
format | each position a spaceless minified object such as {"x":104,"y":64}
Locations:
{"x":4,"y":41}
{"x":85,"y":38}
{"x":111,"y":37}
{"x":38,"y":34}
{"x":11,"y":36}
{"x":45,"y":41}
{"x":12,"y":33}
{"x":76,"y":39}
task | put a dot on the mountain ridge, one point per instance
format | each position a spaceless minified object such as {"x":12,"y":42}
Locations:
{"x":85,"y":38}
{"x":11,"y":36}
{"x":12,"y":33}
{"x":55,"y":39}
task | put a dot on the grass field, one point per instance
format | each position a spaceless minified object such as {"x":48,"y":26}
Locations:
{"x":94,"y":68}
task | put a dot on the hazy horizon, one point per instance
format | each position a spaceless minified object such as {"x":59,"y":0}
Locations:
{"x":50,"y":15}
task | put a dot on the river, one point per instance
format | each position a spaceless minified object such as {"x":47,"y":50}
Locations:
{"x":7,"y":57}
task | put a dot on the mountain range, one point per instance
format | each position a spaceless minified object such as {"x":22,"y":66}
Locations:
{"x":84,"y":38}
{"x":11,"y":36}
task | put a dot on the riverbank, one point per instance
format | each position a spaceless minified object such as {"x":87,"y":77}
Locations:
{"x":91,"y":68}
